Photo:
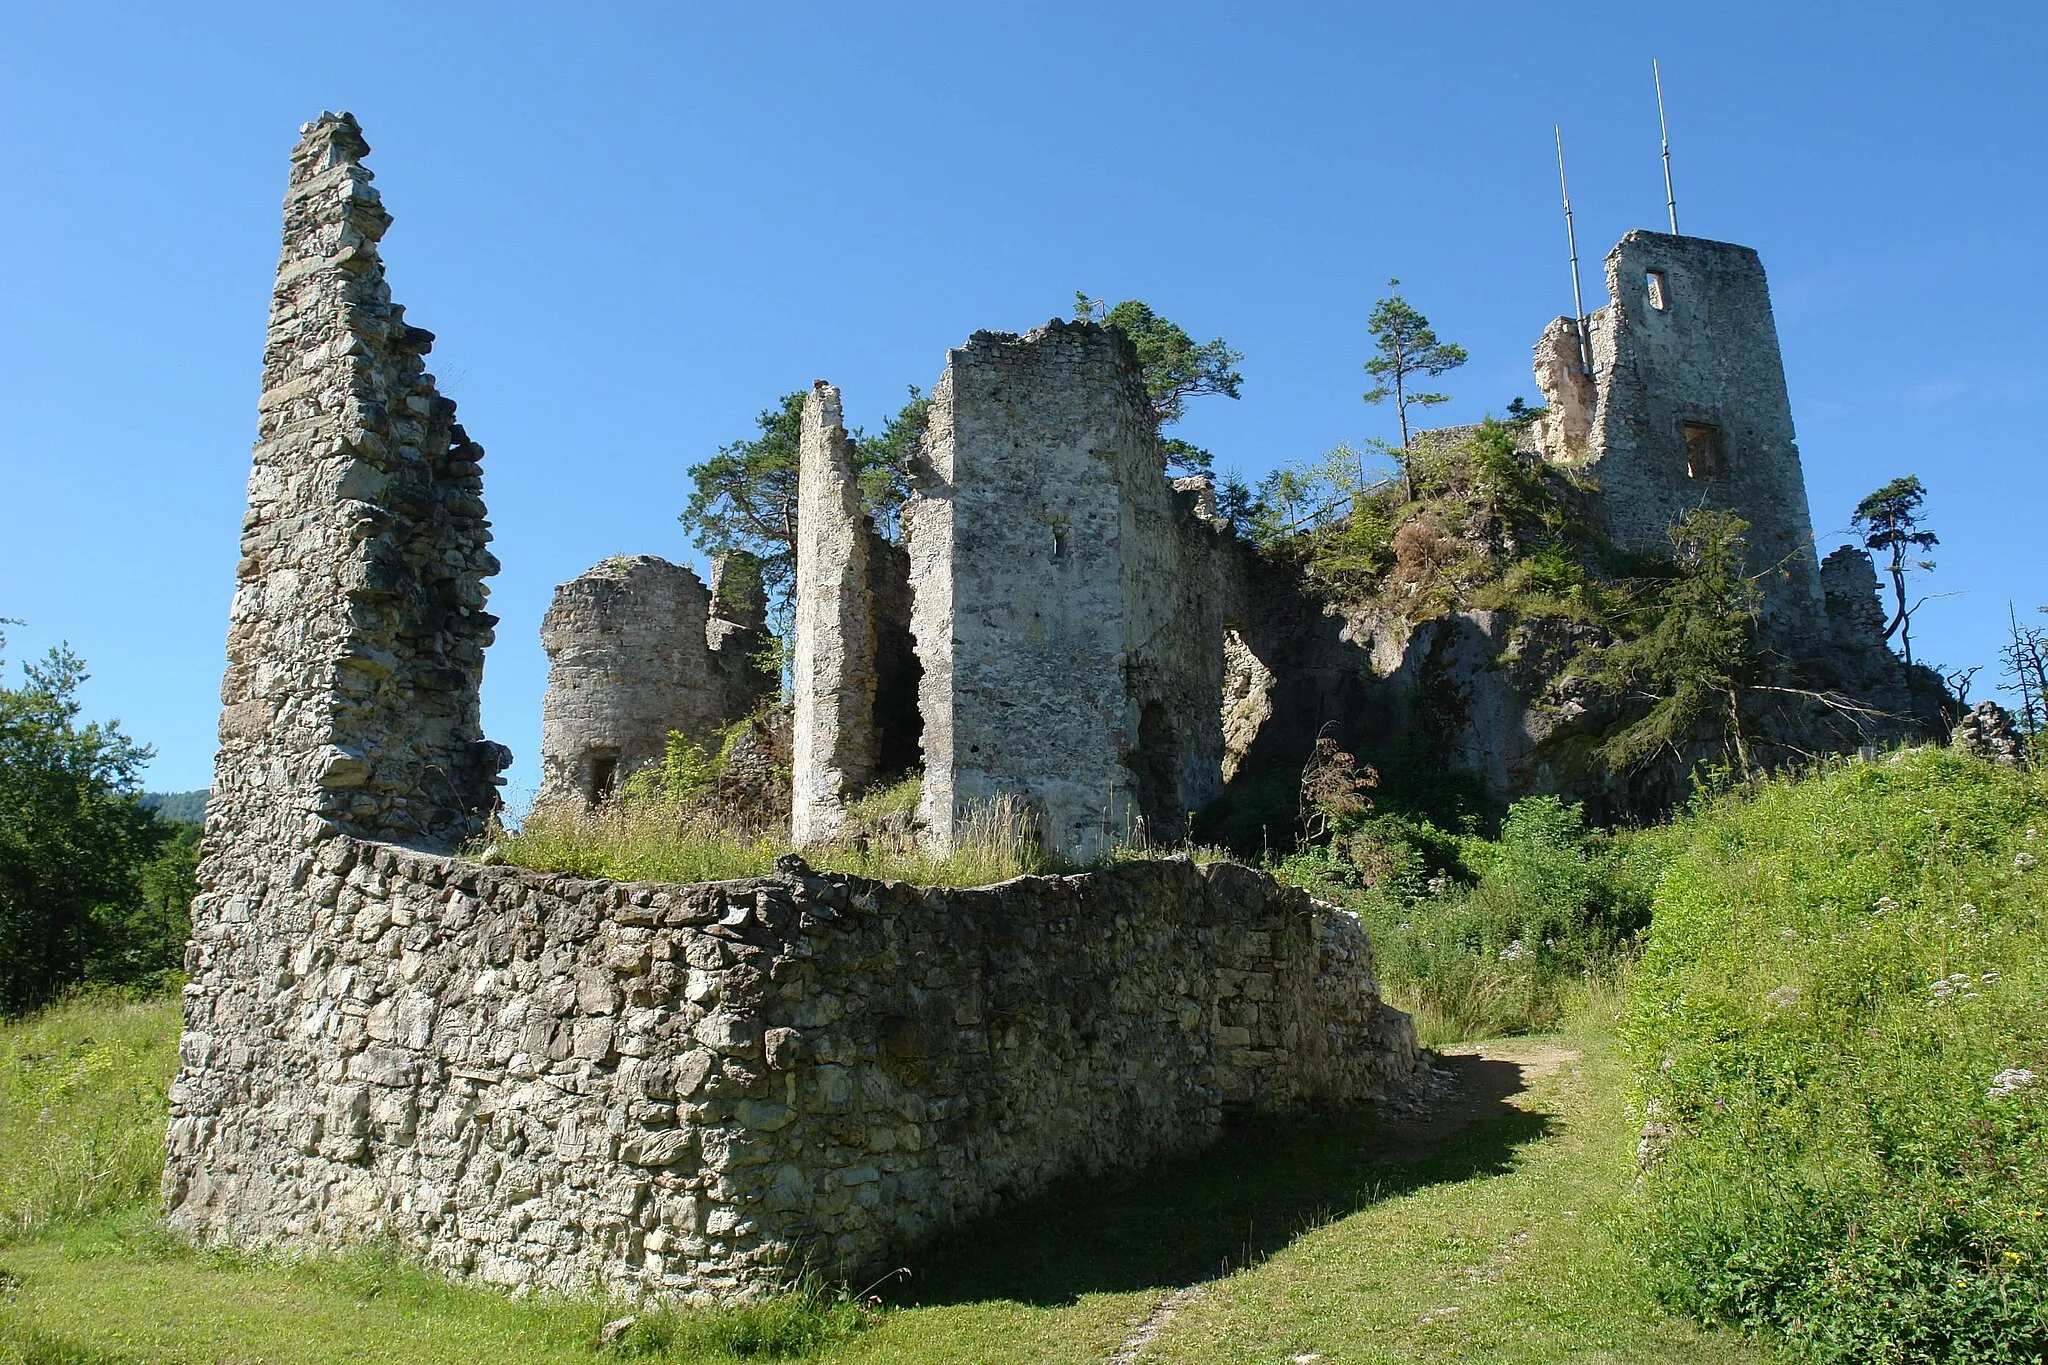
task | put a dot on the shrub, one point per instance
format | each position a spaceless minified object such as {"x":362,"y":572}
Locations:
{"x":1840,"y":1028}
{"x":1479,"y":937}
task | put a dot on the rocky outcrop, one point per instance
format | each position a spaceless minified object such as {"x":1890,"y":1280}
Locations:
{"x":1987,"y":731}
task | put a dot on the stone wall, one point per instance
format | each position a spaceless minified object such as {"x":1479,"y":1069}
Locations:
{"x":688,"y":1090}
{"x":1065,"y":659}
{"x":635,"y":651}
{"x":833,"y":670}
{"x":1689,"y":409}
{"x":356,"y":638}
{"x":683,"y":1090}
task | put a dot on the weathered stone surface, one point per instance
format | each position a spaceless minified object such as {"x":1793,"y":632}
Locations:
{"x":356,"y":639}
{"x":833,"y":673}
{"x":518,"y":1078}
{"x":1688,"y":408}
{"x":1068,"y":658}
{"x":635,"y":651}
{"x":539,"y":1080}
{"x":1988,"y":732}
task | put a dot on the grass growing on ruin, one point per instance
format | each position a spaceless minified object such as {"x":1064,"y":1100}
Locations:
{"x":649,"y":840}
{"x":82,"y":1108}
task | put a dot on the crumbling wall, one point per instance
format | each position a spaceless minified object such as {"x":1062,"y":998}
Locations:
{"x":1690,"y":410}
{"x":696,"y":1090}
{"x":693,"y":1091}
{"x":833,"y":675}
{"x":628,"y":661}
{"x":1064,"y":659}
{"x":356,"y":638}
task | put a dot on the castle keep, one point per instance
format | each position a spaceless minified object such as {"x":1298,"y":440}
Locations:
{"x":1686,"y":407}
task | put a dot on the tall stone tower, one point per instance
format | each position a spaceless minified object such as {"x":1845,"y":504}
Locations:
{"x":1058,"y":626}
{"x":356,"y":640}
{"x":1686,"y":407}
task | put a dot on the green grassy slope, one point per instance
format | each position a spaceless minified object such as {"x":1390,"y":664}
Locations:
{"x":1841,"y":1025}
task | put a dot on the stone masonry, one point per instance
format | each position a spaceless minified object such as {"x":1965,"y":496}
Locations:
{"x":357,"y":633}
{"x":833,"y":674}
{"x":638,"y":647}
{"x":689,"y":1091}
{"x":1065,"y":661}
{"x":1686,"y":408}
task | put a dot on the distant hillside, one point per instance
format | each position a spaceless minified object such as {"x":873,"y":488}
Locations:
{"x":183,"y":807}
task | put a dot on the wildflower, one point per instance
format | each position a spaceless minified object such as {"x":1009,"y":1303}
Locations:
{"x":2010,"y":1081}
{"x":1789,"y":935}
{"x":1783,"y":998}
{"x":1989,"y":978}
{"x":2023,"y":860}
{"x":1884,"y":906}
{"x":1514,"y":952}
{"x":2032,"y":834}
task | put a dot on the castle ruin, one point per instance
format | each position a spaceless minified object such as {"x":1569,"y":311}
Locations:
{"x":547,"y":1081}
{"x":544,"y":1081}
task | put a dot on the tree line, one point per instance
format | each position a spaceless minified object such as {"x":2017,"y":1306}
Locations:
{"x":95,"y":888}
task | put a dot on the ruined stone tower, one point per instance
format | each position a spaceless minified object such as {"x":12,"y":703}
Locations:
{"x":356,"y":641}
{"x":1686,"y":407}
{"x":638,"y":647}
{"x":1064,"y":663}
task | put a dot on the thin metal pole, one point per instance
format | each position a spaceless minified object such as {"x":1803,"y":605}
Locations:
{"x":1670,"y":199}
{"x":1571,"y":238}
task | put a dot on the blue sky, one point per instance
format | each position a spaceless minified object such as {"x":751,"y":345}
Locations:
{"x":632,"y":226}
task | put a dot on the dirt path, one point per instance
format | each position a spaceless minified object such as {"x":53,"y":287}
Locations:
{"x":1470,"y":1082}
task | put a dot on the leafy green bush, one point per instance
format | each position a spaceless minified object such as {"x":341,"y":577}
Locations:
{"x":1479,"y":937}
{"x":82,"y":1108}
{"x":1840,"y":1027}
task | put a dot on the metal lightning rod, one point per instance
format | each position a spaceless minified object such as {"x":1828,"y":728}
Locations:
{"x":1670,"y":199}
{"x":1571,"y":238}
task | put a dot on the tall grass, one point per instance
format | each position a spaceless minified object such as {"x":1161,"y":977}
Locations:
{"x":82,"y":1108}
{"x":650,"y":839}
{"x":1840,"y":1028}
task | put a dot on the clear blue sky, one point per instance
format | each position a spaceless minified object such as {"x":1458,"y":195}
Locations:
{"x":632,"y":226}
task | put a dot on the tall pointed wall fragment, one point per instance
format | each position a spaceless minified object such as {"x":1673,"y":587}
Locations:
{"x":833,"y":674}
{"x":356,"y":642}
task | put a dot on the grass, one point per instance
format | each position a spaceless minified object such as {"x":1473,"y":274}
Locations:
{"x":82,"y":1109}
{"x":1482,"y":938}
{"x":655,"y":840}
{"x":1841,"y":1029}
{"x":1324,"y":1233}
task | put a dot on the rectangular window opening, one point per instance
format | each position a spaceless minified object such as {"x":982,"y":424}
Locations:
{"x":1653,"y":283}
{"x":1703,"y":454}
